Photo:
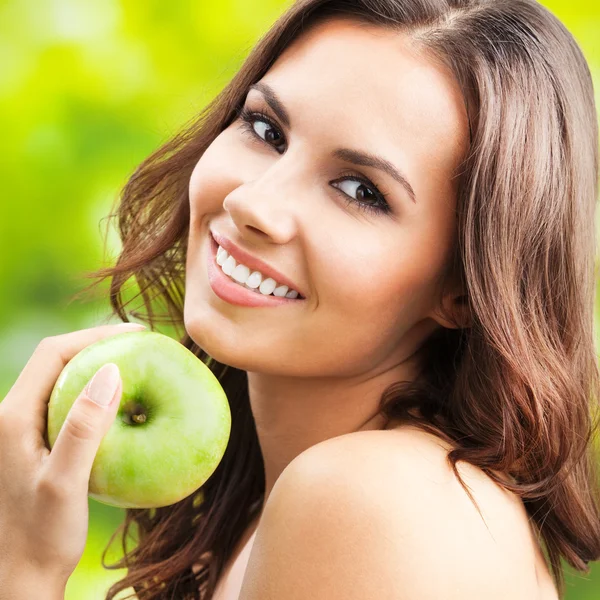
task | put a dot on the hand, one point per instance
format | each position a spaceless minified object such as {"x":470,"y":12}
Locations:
{"x":43,"y":493}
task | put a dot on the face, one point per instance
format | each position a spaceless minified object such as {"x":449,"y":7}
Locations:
{"x":366,"y":257}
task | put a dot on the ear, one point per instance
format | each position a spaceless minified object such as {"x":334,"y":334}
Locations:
{"x":454,"y":312}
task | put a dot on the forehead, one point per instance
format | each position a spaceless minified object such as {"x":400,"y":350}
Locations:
{"x":369,"y":87}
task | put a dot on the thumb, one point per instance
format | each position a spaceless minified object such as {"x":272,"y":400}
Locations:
{"x":102,"y":387}
{"x":86,"y":424}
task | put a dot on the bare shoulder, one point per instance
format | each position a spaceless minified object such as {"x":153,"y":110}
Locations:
{"x":415,"y":464}
{"x":394,"y":458}
{"x":383,"y":510}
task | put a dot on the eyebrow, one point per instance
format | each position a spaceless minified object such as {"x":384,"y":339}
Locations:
{"x":357,"y":157}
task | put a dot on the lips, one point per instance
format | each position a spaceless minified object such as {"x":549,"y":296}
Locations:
{"x":233,"y":293}
{"x":241,"y":256}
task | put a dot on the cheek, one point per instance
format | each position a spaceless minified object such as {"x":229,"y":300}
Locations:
{"x":386,"y":278}
{"x":216,"y":173}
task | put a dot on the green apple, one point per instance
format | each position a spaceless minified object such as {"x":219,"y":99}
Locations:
{"x":172,"y":426}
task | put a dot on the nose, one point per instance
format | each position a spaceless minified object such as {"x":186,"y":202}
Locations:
{"x":266,"y":207}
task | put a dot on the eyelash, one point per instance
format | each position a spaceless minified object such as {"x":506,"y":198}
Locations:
{"x":248,"y":117}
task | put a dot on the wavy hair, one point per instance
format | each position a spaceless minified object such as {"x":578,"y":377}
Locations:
{"x":516,"y":393}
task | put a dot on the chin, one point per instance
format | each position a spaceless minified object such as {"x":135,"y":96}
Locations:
{"x":244,"y":357}
{"x":212,"y":343}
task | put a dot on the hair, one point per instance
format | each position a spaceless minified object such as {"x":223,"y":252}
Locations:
{"x":515,"y":392}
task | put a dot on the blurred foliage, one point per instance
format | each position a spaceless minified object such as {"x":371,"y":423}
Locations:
{"x":87,"y":91}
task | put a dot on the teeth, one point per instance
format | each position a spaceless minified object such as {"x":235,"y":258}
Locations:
{"x":221,"y":256}
{"x":254,"y":280}
{"x":267,"y":286}
{"x":241,"y":273}
{"x":281,"y":291}
{"x":251,"y":279}
{"x":229,"y":265}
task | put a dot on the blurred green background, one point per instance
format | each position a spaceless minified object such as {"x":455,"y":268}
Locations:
{"x":87,"y":91}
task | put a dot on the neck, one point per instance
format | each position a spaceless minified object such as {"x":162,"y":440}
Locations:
{"x":293,"y":414}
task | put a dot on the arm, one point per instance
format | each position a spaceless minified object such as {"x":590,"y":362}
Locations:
{"x":25,"y":584}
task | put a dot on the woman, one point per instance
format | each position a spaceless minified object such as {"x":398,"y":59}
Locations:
{"x":385,"y":226}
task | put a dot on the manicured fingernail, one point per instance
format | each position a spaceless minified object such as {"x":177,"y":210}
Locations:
{"x":103,"y":385}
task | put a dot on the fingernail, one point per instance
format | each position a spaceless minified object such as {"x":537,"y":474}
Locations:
{"x":131,"y":325}
{"x":103,"y":385}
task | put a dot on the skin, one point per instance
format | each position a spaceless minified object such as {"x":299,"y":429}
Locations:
{"x":316,"y":368}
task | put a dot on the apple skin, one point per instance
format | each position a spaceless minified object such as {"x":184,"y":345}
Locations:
{"x":159,"y":461}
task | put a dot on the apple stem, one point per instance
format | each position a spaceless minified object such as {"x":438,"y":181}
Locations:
{"x":134,"y":413}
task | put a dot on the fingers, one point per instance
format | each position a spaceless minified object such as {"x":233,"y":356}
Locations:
{"x":28,"y":398}
{"x":89,"y":418}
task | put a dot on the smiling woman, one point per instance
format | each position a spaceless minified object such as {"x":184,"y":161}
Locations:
{"x":423,"y":173}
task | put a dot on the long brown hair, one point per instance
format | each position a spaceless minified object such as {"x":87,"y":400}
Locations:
{"x":516,"y":392}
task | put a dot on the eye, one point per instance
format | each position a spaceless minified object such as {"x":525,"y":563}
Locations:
{"x":375,"y":201}
{"x":250,"y":118}
{"x":372,"y":200}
